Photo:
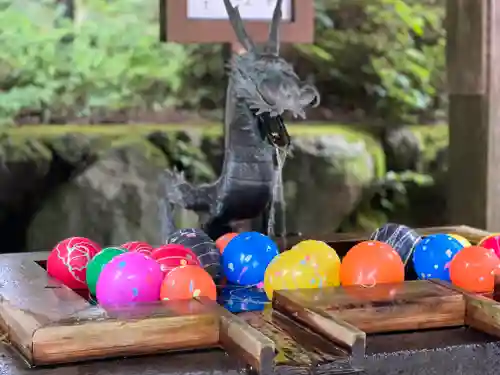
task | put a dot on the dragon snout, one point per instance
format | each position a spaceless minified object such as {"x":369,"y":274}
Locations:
{"x":273,"y":129}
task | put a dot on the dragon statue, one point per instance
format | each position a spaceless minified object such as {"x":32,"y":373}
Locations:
{"x":262,"y":87}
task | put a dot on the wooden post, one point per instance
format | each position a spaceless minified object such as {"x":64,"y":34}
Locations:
{"x":473,"y":54}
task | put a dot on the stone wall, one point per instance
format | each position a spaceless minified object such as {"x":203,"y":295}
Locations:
{"x":102,"y":181}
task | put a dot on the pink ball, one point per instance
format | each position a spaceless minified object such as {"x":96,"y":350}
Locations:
{"x":129,"y":278}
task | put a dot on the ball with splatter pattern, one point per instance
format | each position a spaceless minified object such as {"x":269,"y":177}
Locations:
{"x":68,"y":260}
{"x":246,"y":258}
{"x":433,"y":254}
{"x":172,"y":256}
{"x":129,"y":278}
{"x":187,"y":282}
{"x":491,"y":242}
{"x":400,"y":237}
{"x":370,"y":263}
{"x":138,"y":246}
{"x":202,"y":245}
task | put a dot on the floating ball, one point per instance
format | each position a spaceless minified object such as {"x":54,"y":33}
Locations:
{"x":222,"y":241}
{"x":463,"y":241}
{"x":172,"y":256}
{"x":492,"y":242}
{"x":128,"y":278}
{"x":187,"y":282}
{"x":433,"y":254}
{"x":321,"y":255}
{"x":97,"y":263}
{"x":246,"y":258}
{"x":473,"y":269}
{"x":400,"y":237}
{"x":370,"y":263}
{"x":305,"y":266}
{"x":68,"y":261}
{"x":138,"y":246}
{"x":202,"y":245}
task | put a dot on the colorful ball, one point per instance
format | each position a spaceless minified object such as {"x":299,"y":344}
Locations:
{"x":187,"y":282}
{"x":172,"y":256}
{"x":301,"y":268}
{"x":324,"y":255}
{"x":222,"y":241}
{"x":246,"y":258}
{"x":370,"y":263}
{"x":138,"y":246}
{"x":97,"y":263}
{"x":202,"y":245}
{"x":68,"y":261}
{"x":463,"y":241}
{"x":128,"y":278}
{"x":432,"y":256}
{"x":492,"y":242}
{"x":473,"y":269}
{"x":400,"y":237}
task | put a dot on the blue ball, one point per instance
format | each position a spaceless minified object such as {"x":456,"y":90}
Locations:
{"x":246,"y":258}
{"x":433,"y":254}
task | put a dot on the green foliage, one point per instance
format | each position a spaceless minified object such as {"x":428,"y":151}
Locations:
{"x":386,"y":56}
{"x":112,"y":61}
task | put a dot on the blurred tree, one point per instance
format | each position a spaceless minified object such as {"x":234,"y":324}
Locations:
{"x":384,"y":57}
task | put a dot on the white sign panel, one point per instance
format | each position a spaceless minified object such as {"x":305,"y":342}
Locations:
{"x":254,"y":10}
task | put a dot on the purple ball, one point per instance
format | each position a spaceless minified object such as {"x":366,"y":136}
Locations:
{"x":129,"y":278}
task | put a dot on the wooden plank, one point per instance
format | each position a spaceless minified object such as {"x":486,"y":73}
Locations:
{"x":411,"y":305}
{"x":298,"y":349}
{"x":473,"y":29}
{"x":244,"y":341}
{"x":482,"y":313}
{"x":49,"y":323}
{"x":327,"y":325}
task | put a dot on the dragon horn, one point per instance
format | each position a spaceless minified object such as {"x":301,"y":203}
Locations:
{"x":238,"y":27}
{"x":273,"y":45}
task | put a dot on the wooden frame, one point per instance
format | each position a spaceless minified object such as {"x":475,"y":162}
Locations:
{"x":411,"y":305}
{"x":48,"y":323}
{"x":176,"y":27}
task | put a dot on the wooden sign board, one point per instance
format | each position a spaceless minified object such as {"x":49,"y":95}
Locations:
{"x":206,"y":21}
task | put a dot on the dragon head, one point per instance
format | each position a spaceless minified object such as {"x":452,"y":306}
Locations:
{"x":266,"y":82}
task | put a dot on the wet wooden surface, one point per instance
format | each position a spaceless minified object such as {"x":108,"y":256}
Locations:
{"x":411,"y":305}
{"x":51,"y":324}
{"x":298,"y":349}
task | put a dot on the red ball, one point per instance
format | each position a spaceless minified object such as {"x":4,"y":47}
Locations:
{"x":68,"y":261}
{"x":138,"y":246}
{"x":172,"y":256}
{"x":491,"y":242}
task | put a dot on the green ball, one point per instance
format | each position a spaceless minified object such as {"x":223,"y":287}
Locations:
{"x":97,"y":263}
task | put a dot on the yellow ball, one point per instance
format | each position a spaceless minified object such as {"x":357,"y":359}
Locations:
{"x":309,"y":264}
{"x":463,"y":241}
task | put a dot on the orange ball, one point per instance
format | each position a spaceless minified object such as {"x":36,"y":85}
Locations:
{"x":222,"y":241}
{"x":187,"y":282}
{"x":473,"y":269}
{"x":370,"y":263}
